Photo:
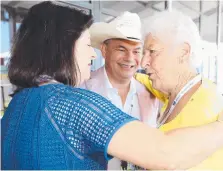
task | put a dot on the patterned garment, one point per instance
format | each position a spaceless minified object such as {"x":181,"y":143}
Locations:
{"x":58,"y":127}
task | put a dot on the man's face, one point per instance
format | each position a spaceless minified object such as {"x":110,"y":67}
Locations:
{"x":122,"y":58}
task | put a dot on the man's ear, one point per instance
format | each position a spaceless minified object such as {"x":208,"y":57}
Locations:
{"x":103,"y":49}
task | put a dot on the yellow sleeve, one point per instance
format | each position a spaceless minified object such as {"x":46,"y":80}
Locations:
{"x":144,"y":79}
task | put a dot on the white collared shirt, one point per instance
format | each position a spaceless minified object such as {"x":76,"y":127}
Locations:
{"x":131,"y":105}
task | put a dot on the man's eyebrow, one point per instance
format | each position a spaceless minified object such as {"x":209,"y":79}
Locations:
{"x":138,"y":48}
{"x":120,"y":46}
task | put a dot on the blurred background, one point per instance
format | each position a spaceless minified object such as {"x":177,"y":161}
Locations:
{"x":208,"y":16}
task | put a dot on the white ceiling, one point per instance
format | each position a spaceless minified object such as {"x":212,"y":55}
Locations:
{"x":148,"y":8}
{"x":191,"y":8}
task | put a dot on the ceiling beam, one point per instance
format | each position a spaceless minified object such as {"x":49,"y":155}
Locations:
{"x":142,"y":3}
{"x":189,"y":7}
{"x":212,"y":11}
{"x":13,"y":3}
{"x":208,"y":13}
{"x":110,"y":12}
{"x":148,"y":5}
{"x":110,"y":20}
{"x":109,"y":4}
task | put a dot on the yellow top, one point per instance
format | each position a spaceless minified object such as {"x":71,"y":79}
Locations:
{"x":203,"y":107}
{"x":144,"y":79}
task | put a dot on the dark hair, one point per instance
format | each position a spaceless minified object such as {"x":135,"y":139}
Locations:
{"x":44,"y":45}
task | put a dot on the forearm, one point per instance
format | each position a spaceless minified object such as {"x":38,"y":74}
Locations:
{"x":152,"y":149}
{"x":187,"y":147}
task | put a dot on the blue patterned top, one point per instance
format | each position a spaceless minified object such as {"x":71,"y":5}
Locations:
{"x":58,"y":127}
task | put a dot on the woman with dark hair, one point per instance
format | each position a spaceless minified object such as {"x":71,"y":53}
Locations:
{"x":50,"y":124}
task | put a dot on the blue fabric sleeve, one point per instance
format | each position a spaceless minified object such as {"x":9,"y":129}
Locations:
{"x":85,"y":120}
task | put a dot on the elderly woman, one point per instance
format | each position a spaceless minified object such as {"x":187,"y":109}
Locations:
{"x":171,"y":55}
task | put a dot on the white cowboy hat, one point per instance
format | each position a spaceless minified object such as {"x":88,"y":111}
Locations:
{"x":126,"y":26}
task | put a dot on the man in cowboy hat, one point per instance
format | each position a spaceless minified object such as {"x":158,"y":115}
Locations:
{"x":121,"y":46}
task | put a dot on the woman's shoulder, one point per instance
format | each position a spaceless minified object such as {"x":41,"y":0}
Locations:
{"x":210,"y":89}
{"x":60,"y":93}
{"x":209,"y":98}
{"x":61,"y":90}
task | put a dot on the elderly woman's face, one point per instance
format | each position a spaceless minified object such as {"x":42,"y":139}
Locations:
{"x":161,"y":62}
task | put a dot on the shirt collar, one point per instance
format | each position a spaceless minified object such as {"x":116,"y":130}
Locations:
{"x":108,"y":84}
{"x":106,"y":80}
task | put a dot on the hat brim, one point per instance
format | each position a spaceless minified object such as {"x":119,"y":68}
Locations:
{"x":101,"y":32}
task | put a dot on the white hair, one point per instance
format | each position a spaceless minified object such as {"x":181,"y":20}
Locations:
{"x":180,"y":27}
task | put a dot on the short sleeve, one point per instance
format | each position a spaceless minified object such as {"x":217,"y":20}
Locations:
{"x":86,"y":120}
